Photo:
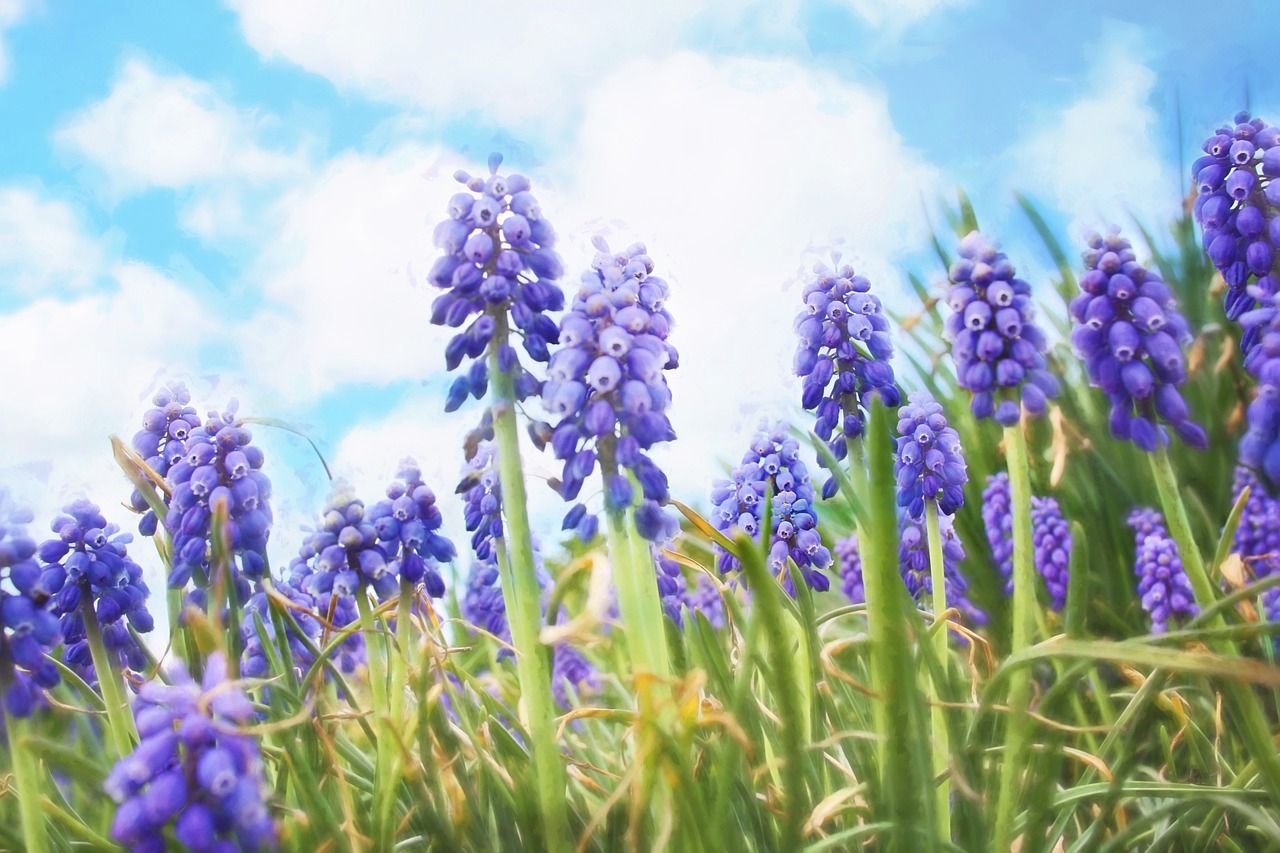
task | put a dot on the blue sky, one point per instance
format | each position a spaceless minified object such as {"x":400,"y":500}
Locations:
{"x":241,"y":195}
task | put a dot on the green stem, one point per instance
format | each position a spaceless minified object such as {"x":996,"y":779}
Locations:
{"x":941,"y":742}
{"x":384,"y":784}
{"x":1018,"y":730}
{"x":524,"y":609}
{"x":1241,"y":699}
{"x":26,"y":778}
{"x":119,"y":718}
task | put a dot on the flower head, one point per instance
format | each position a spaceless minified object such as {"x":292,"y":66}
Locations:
{"x":1235,"y":205}
{"x":193,"y":773}
{"x":1130,"y":334}
{"x":1050,"y":538}
{"x":843,"y":356}
{"x":849,"y":561}
{"x":87,"y":567}
{"x":929,"y":465}
{"x":28,"y":628}
{"x":498,"y":262}
{"x":997,"y":346}
{"x":1260,"y":445}
{"x":1258,"y":535}
{"x":162,"y":441}
{"x":607,"y":386}
{"x":913,"y":561}
{"x":1162,"y":583}
{"x":700,"y":595}
{"x":407,"y":525}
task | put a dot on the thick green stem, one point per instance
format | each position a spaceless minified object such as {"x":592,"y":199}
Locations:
{"x":384,"y":783}
{"x":1018,"y":730}
{"x":26,"y":778}
{"x":524,"y":608}
{"x":1242,"y":701}
{"x":941,"y":742}
{"x":119,"y":717}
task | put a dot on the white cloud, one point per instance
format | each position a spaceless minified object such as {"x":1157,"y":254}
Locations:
{"x":169,"y":130}
{"x":1097,"y":156}
{"x":44,"y":244}
{"x":507,"y":62}
{"x":11,"y":14}
{"x":899,"y":14}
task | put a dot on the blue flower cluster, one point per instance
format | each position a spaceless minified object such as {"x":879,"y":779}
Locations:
{"x":498,"y":260}
{"x":482,"y":495}
{"x":997,"y":346}
{"x":28,"y":629}
{"x":1258,"y":536}
{"x":1050,"y":538}
{"x":87,"y":566}
{"x":407,"y":523}
{"x":773,"y":467}
{"x":607,"y":385}
{"x":1130,"y":334}
{"x":1260,"y":445}
{"x":1235,"y":205}
{"x":849,"y":567}
{"x":193,"y":773}
{"x":307,"y":614}
{"x":913,"y":560}
{"x":1162,"y":582}
{"x":220,"y":467}
{"x":699,"y":595}
{"x":843,"y":357}
{"x":162,"y":441}
{"x":929,"y":464}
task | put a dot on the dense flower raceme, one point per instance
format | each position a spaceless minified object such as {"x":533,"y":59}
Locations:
{"x":1162,"y":582}
{"x":315,"y":619}
{"x":772,"y":466}
{"x":1260,"y":445}
{"x":1130,"y":334}
{"x":843,"y":356}
{"x":699,"y":595}
{"x":606,"y":384}
{"x":220,"y":467}
{"x":929,"y":464}
{"x":28,"y":629}
{"x":482,"y":496}
{"x":87,"y":564}
{"x":498,"y":261}
{"x":849,"y":566}
{"x":1050,"y":538}
{"x":162,"y":441}
{"x":997,"y":346}
{"x":1236,"y":206}
{"x":1258,"y":536}
{"x":193,"y":772}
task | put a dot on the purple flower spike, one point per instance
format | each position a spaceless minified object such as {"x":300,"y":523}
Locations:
{"x":193,"y":772}
{"x":701,"y":596}
{"x":161,"y":441}
{"x":1258,"y":536}
{"x":1236,"y":207}
{"x":88,"y":562}
{"x":773,"y":466}
{"x":1130,"y":334}
{"x":1050,"y":538}
{"x":28,"y":627}
{"x":498,"y":260}
{"x":1162,"y":583}
{"x":929,"y":464}
{"x":849,"y":560}
{"x":997,"y":347}
{"x":843,"y":356}
{"x":1260,"y":445}
{"x":607,"y":385}
{"x":913,"y":560}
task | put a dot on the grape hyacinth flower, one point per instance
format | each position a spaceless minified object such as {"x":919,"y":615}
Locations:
{"x":1145,"y":521}
{"x":843,"y":356}
{"x":929,"y":465}
{"x":482,"y":495}
{"x":913,"y":559}
{"x":1260,"y":445}
{"x":498,"y":262}
{"x":88,"y":573}
{"x":1257,"y":538}
{"x":1236,"y":206}
{"x":997,"y":346}
{"x":28,"y":628}
{"x":1050,"y":538}
{"x":162,"y":442}
{"x":193,"y":774}
{"x":849,"y":566}
{"x":772,"y":466}
{"x":699,"y":595}
{"x":307,"y":612}
{"x":407,"y":524}
{"x":220,"y":468}
{"x":608,"y":387}
{"x":1130,"y":334}
{"x":1162,"y":583}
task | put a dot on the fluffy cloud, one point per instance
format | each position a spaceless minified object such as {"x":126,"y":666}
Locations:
{"x":899,"y":14}
{"x":506,"y":62}
{"x":44,"y":244}
{"x":11,"y":14}
{"x":1098,"y":157}
{"x":168,"y":130}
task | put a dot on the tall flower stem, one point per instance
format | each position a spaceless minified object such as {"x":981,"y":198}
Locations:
{"x":26,"y":778}
{"x":1018,"y":730}
{"x":524,"y":611}
{"x":904,"y":768}
{"x":1241,"y":699}
{"x":384,"y":783}
{"x":119,"y":717}
{"x":941,"y":742}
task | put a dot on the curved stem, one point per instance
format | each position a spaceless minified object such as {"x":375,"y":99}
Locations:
{"x":941,"y":742}
{"x":524,"y":608}
{"x":119,"y":718}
